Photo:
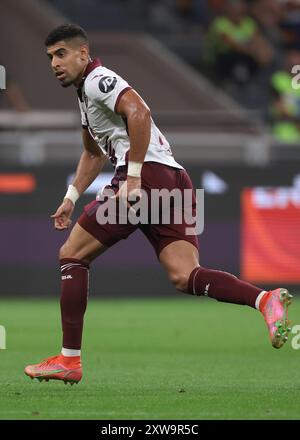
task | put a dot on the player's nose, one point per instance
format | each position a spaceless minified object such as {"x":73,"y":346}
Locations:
{"x":55,"y":64}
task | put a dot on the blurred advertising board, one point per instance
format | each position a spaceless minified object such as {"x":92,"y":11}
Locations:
{"x":270,"y":227}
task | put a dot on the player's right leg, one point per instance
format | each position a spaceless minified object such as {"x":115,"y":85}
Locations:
{"x":75,"y":255}
{"x":88,"y":239}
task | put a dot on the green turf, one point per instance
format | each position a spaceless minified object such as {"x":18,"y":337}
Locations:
{"x":181,"y":358}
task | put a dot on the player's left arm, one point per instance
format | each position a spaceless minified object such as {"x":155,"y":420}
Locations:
{"x":138,"y":117}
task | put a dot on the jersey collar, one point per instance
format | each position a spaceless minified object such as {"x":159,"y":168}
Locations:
{"x":89,"y":68}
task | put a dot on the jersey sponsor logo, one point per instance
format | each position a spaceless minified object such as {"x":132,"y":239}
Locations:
{"x":107,"y":83}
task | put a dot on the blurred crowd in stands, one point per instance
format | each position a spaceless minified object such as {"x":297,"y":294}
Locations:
{"x":249,"y":49}
{"x":13,"y":96}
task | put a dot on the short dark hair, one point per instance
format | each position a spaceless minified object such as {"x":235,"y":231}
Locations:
{"x":66,"y":32}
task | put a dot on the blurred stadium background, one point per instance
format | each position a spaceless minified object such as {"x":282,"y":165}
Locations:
{"x":217,"y":76}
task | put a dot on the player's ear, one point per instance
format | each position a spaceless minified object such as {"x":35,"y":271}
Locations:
{"x":84,"y":51}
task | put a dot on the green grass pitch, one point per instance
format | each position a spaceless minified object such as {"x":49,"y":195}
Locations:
{"x":181,"y":358}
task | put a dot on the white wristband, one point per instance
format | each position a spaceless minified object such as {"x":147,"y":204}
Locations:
{"x":72,"y":194}
{"x":134,"y":169}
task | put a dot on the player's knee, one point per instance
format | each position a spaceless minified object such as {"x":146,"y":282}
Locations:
{"x":180,"y":281}
{"x":67,"y":252}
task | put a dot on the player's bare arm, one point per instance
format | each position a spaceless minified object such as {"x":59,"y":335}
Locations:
{"x":90,"y":164}
{"x":138,"y":116}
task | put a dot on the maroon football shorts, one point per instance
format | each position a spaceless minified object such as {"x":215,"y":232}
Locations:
{"x":154,"y":176}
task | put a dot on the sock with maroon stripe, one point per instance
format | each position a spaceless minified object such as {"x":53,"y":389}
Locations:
{"x":73,"y":301}
{"x":222,"y":286}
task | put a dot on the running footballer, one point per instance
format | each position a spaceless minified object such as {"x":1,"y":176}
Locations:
{"x":117,"y":125}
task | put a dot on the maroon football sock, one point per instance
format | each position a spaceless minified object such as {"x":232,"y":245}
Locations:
{"x":222,"y":286}
{"x":73,"y":301}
